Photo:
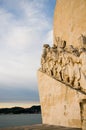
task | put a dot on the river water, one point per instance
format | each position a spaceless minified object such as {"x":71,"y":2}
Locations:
{"x":11,"y":120}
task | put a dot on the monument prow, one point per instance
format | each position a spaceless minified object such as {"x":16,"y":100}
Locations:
{"x":62,"y":75}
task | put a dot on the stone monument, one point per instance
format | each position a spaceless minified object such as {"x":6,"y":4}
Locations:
{"x":62,"y":75}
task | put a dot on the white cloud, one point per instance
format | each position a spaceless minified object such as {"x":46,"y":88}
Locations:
{"x":17,"y":37}
{"x":49,"y":38}
{"x":21,"y":40}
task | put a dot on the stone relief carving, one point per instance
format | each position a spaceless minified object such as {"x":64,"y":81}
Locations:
{"x":82,"y":40}
{"x":67,"y":64}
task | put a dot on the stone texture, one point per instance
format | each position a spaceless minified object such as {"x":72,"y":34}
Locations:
{"x":70,"y":21}
{"x":62,"y":75}
{"x":83,"y":114}
{"x":67,"y":65}
{"x":60,"y":103}
{"x":84,"y":125}
{"x":39,"y":127}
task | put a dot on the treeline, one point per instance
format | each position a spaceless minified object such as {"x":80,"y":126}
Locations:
{"x":20,"y":110}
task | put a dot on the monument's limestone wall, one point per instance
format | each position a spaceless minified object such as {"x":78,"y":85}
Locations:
{"x":70,"y":21}
{"x":60,"y":103}
{"x":62,"y":75}
{"x":62,"y":85}
{"x":83,"y":114}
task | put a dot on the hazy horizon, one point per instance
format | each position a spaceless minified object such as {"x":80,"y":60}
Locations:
{"x":18,"y":104}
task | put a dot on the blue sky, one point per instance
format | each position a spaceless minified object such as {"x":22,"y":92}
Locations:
{"x":25,"y":25}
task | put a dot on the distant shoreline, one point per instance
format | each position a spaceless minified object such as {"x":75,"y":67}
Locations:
{"x":21,"y":110}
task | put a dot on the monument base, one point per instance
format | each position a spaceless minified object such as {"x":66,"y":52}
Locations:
{"x":60,"y":104}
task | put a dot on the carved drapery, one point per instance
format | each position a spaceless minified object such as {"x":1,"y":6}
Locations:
{"x":66,"y":64}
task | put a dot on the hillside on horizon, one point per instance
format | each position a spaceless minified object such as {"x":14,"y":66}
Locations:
{"x":20,"y":110}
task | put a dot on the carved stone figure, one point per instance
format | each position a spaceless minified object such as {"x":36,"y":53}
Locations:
{"x":71,"y":71}
{"x":82,"y":41}
{"x":58,"y":40}
{"x":83,"y":69}
{"x":63,"y":44}
{"x":67,"y":65}
{"x":74,"y":51}
{"x":77,"y":76}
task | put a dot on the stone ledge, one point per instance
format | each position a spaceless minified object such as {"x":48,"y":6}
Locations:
{"x":79,"y":90}
{"x":40,"y":127}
